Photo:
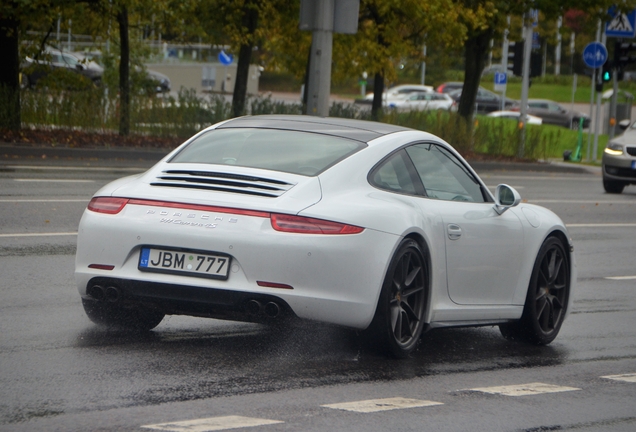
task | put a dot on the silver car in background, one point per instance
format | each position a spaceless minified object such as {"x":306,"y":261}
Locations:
{"x":619,"y":160}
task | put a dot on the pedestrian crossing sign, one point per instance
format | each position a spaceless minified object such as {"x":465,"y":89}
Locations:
{"x":621,"y":25}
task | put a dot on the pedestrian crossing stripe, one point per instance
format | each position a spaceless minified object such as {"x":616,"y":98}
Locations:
{"x":376,"y":405}
{"x":524,"y":389}
{"x":212,"y":424}
{"x":631,"y":377}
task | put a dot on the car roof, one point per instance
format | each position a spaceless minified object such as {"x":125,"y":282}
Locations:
{"x":359,"y":130}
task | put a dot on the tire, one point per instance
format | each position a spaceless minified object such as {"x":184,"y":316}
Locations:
{"x":399,"y":317}
{"x":547,"y":298}
{"x":613,"y":186}
{"x":111,"y":315}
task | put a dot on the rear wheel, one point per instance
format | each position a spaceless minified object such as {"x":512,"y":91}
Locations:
{"x":114,"y":315}
{"x":399,"y":317}
{"x":547,"y":298}
{"x":613,"y":186}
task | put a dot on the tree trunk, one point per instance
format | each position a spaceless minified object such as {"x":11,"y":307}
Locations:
{"x":124,"y":73}
{"x":250,"y":21}
{"x":476,"y":51}
{"x":378,"y":95}
{"x":9,"y":75}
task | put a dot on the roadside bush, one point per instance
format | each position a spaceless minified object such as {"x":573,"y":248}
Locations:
{"x":97,"y":110}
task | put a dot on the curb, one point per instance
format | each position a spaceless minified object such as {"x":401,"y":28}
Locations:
{"x":41,"y":155}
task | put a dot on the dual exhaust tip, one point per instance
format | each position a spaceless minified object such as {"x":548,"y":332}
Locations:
{"x":110,"y":294}
{"x":270,"y":309}
{"x":254,"y":307}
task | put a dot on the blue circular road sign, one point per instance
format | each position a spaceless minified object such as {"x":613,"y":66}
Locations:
{"x":225,"y":59}
{"x":595,"y":55}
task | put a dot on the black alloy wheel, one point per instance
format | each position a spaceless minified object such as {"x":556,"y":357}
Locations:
{"x":547,"y":299}
{"x":399,"y":318}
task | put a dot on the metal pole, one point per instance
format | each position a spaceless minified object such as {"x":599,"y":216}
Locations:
{"x":599,"y":96}
{"x":557,"y":52}
{"x":614,"y":99}
{"x":423,"y":77}
{"x":525,"y":84}
{"x":319,"y":82}
{"x":69,"y":34}
{"x":504,"y":61}
{"x":592,"y":93}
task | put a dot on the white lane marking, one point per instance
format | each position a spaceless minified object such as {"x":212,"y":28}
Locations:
{"x":631,"y":377}
{"x":543,"y":201}
{"x":524,"y":389}
{"x":620,"y":277}
{"x":43,"y":200}
{"x":602,"y":225}
{"x":212,"y":424}
{"x":38,"y":234}
{"x":24,"y":180}
{"x":71,"y":168}
{"x":375,"y":405}
{"x":589,"y":177}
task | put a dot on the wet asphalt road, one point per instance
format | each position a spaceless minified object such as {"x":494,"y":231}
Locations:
{"x":60,"y":372}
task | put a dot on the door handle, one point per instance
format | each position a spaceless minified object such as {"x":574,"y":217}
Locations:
{"x":454,"y":231}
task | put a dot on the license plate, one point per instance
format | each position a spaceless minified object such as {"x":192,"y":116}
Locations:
{"x":184,"y":262}
{"x":634,"y":164}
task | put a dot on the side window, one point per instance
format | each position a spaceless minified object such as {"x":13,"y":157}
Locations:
{"x":393,"y":175}
{"x":443,"y":175}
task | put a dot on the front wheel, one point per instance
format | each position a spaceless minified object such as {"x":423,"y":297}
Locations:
{"x":113,"y":315}
{"x":399,"y":317}
{"x":613,"y":186}
{"x":547,"y":298}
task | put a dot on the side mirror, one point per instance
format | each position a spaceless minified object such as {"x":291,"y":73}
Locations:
{"x":505,"y":198}
{"x":624,"y":124}
{"x":79,"y":67}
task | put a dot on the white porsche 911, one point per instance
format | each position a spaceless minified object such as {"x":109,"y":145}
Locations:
{"x":361,"y":224}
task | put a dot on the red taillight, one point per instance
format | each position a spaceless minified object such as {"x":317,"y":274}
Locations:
{"x":107,"y":205}
{"x":274,"y":285}
{"x":101,"y":266}
{"x":304,"y":225}
{"x":280,"y":222}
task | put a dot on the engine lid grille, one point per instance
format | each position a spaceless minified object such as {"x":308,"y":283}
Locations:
{"x":223,"y":182}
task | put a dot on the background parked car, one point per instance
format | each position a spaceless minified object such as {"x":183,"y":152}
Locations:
{"x":399,"y":92}
{"x":515,"y":115}
{"x":151,"y":81}
{"x":53,"y":60}
{"x":421,"y":101}
{"x":619,"y":160}
{"x":486,"y":100}
{"x":553,"y":113}
{"x":448,"y":87}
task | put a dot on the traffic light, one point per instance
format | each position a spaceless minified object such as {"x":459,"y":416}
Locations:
{"x":623,"y":54}
{"x":606,"y":73}
{"x":517,"y":57}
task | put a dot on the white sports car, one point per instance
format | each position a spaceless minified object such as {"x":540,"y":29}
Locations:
{"x":360,"y":224}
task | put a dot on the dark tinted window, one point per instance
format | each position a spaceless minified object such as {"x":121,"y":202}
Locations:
{"x":393,"y":175}
{"x":279,"y":150}
{"x":443,"y":175}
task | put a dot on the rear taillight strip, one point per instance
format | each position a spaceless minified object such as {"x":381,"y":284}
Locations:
{"x":280,"y":222}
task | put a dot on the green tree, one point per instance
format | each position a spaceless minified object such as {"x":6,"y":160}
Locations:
{"x":16,"y":17}
{"x":390,"y":30}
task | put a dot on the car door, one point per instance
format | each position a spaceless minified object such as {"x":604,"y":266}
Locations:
{"x":483,"y":249}
{"x":541,"y":109}
{"x":558,"y":114}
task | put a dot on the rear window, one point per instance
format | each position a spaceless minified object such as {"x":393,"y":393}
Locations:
{"x":278,"y":150}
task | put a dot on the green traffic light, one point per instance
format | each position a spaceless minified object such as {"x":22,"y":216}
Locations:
{"x":606,"y":76}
